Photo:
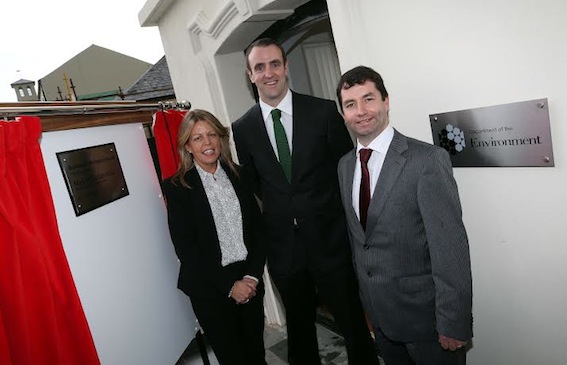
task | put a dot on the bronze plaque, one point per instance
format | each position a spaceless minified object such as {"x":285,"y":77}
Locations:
{"x":93,"y":176}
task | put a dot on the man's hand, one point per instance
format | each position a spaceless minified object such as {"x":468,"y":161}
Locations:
{"x":451,"y":344}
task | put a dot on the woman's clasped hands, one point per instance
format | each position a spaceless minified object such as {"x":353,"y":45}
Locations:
{"x":243,"y":290}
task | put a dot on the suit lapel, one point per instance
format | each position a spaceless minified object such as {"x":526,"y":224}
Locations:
{"x":259,"y":135}
{"x":302,"y":139}
{"x":296,"y":140}
{"x":348,"y":177}
{"x":203,"y":214}
{"x":200,"y":197}
{"x":393,"y":165}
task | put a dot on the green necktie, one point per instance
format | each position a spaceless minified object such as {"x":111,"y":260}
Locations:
{"x":282,"y":144}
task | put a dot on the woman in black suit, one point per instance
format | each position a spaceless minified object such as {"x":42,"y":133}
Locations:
{"x":214,"y":222}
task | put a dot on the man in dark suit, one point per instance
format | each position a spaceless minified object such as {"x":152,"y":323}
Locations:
{"x":410,"y":248}
{"x":292,"y":155}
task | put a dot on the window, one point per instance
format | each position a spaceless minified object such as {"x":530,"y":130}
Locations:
{"x":22,"y":92}
{"x":29,"y":91}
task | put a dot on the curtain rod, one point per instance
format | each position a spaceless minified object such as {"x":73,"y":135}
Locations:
{"x":83,"y":109}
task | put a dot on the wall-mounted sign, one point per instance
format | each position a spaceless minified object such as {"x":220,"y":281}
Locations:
{"x":93,"y":176}
{"x":516,"y":134}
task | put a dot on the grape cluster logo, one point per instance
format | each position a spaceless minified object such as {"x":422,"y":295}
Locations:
{"x":452,"y":139}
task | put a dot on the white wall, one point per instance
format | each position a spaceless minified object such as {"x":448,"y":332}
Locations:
{"x":445,"y":55}
{"x":187,"y":73}
{"x":121,"y":255}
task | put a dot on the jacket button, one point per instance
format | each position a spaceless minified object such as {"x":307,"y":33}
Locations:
{"x":366,"y":246}
{"x":369,"y":274}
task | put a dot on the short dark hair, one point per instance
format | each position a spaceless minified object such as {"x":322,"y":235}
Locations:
{"x":358,"y":76}
{"x":264,"y":42}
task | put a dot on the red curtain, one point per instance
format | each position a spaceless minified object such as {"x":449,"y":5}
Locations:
{"x":41,"y":317}
{"x":166,"y":126}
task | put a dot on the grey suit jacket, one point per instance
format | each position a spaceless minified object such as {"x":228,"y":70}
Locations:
{"x":412,"y":262}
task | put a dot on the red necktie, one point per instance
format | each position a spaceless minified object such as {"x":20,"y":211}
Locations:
{"x":364,"y":186}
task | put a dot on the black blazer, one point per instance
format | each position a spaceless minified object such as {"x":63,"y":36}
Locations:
{"x":194,"y":236}
{"x":304,"y":219}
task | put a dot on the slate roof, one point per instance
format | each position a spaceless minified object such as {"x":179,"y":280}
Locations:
{"x":22,"y":81}
{"x":154,"y":84}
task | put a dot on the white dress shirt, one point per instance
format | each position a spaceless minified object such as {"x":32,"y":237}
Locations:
{"x":379,"y":147}
{"x":285,"y":106}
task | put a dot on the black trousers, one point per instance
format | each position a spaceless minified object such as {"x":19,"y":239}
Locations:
{"x":417,"y":353}
{"x":235,"y":331}
{"x":339,"y":291}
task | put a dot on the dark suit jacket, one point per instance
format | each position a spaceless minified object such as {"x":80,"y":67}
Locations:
{"x":304,"y":219}
{"x":194,"y":236}
{"x":413,"y":262}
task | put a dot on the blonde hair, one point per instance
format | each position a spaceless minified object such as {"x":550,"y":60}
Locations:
{"x":185,"y":128}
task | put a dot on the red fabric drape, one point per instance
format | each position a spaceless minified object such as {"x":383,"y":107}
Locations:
{"x":166,"y":126}
{"x":41,"y":317}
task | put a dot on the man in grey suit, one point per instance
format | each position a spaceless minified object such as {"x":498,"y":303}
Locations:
{"x":410,"y":247}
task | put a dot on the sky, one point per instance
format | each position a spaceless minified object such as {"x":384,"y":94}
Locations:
{"x":38,"y":36}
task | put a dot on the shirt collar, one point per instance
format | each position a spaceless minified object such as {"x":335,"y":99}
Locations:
{"x":203,"y":173}
{"x":381,"y":143}
{"x":285,"y":106}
